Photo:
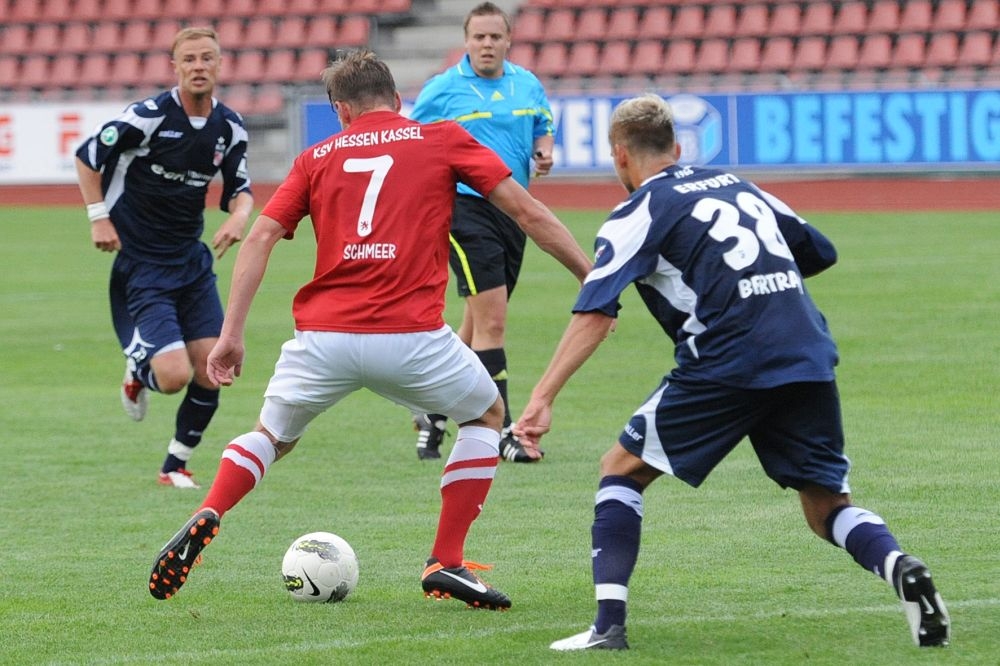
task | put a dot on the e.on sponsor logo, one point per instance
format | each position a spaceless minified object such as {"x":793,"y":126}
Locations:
{"x":6,"y":135}
{"x":69,"y":133}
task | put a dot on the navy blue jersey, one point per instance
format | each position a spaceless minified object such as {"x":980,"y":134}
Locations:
{"x":720,"y":265}
{"x":156,"y":168}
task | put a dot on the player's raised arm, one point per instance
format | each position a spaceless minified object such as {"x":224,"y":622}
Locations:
{"x":541,"y":225}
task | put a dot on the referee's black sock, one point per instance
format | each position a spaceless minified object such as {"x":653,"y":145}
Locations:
{"x":495,"y":361}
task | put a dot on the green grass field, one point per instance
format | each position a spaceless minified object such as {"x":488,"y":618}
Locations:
{"x":728,"y":574}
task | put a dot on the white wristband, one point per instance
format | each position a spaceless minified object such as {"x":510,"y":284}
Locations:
{"x":97,"y":211}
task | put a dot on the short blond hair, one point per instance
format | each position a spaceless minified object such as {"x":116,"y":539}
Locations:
{"x":197,"y":32}
{"x":643,"y":124}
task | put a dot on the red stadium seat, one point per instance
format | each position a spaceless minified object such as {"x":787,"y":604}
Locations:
{"x":241,"y":8}
{"x":875,"y":52}
{"x":942,"y":50}
{"x":108,"y":35}
{"x":713,"y":56}
{"x":909,"y":52}
{"x":87,"y":10}
{"x":260,"y":33}
{"x":949,"y":16}
{"x":623,"y":23}
{"x":560,"y":25}
{"x":248,"y":68}
{"x":76,"y":37}
{"x":321,"y":31}
{"x":616,"y":58}
{"x":354,"y":31}
{"x":817,"y":19}
{"x":182,"y":9}
{"x":117,"y":10}
{"x":521,"y":53}
{"x":656,"y":23}
{"x":744,"y":55}
{"x":916,"y":16}
{"x":138,"y":36}
{"x":592,"y":24}
{"x":94,"y":70}
{"x":268,"y":100}
{"x":46,"y":38}
{"x":10,"y":70}
{"x":157,"y":71}
{"x":689,"y":21}
{"x":529,"y":26}
{"x":16,"y":39}
{"x":64,"y":71}
{"x":811,"y":55}
{"x":679,"y":57}
{"x":163,"y":36}
{"x":333,"y":6}
{"x":26,"y":11}
{"x":720,"y":20}
{"x":851,"y":18}
{"x":583,"y":59}
{"x":551,"y":59}
{"x":983,"y":15}
{"x":786,"y":19}
{"x":57,"y":10}
{"x":128,"y":69}
{"x":311,"y":64}
{"x":843,"y":53}
{"x":231,"y":32}
{"x":280,"y":8}
{"x":884,"y":16}
{"x":753,"y":21}
{"x":290,"y":32}
{"x":777,"y":54}
{"x":976,"y":49}
{"x":35,"y":71}
{"x":280,"y":66}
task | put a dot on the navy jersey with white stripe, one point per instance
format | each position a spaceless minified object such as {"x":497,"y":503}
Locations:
{"x":720,"y":265}
{"x":156,"y":168}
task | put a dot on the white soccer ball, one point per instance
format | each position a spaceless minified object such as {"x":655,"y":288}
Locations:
{"x":320,"y":566}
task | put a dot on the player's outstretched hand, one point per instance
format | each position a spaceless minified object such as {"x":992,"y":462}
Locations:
{"x":230,"y":233}
{"x":225,"y":361}
{"x":535,"y":421}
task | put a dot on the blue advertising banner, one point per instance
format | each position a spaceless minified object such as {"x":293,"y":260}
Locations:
{"x":872,"y":130}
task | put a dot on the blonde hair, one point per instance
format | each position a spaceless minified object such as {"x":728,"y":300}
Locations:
{"x":643,"y":124}
{"x":184,"y":34}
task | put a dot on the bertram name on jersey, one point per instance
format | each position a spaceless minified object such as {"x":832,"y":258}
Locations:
{"x":409,"y":133}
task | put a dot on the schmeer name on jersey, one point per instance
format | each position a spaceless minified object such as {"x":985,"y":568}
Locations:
{"x":410,"y":133}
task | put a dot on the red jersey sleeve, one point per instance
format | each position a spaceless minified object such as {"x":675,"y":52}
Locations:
{"x":474,"y":164}
{"x":290,"y":202}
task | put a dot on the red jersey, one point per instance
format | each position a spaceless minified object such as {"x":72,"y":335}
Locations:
{"x":380,"y":195}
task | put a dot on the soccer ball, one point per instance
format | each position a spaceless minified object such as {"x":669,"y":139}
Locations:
{"x":320,"y":566}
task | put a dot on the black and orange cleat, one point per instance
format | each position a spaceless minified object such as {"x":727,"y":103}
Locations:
{"x":183,"y":551}
{"x":460,"y":583}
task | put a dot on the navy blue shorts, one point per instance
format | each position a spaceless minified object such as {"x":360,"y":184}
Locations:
{"x":487,"y":247}
{"x":158,"y":308}
{"x":686,"y":429}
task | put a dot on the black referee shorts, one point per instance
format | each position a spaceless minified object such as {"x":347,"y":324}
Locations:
{"x":487,"y":247}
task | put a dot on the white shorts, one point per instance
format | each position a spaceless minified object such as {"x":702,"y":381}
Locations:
{"x":429,"y":372}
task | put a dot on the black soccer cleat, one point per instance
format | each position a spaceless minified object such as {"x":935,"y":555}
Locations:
{"x":459,"y":583}
{"x":613,"y":639}
{"x":925,"y":610}
{"x":173,"y":564}
{"x":430,"y":434}
{"x":512,"y":450}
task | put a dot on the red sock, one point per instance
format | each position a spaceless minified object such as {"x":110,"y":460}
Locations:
{"x":465,"y":484}
{"x":243,"y":464}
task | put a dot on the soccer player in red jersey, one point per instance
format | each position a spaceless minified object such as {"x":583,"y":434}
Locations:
{"x":380,"y":195}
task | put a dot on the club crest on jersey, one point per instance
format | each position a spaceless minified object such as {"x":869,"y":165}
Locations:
{"x":109,"y":136}
{"x":220,"y":151}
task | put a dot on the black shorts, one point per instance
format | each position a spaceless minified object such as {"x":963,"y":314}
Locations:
{"x":686,"y":429}
{"x":487,"y":247}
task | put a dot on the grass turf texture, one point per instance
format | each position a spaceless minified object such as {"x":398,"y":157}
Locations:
{"x":728,"y":574}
